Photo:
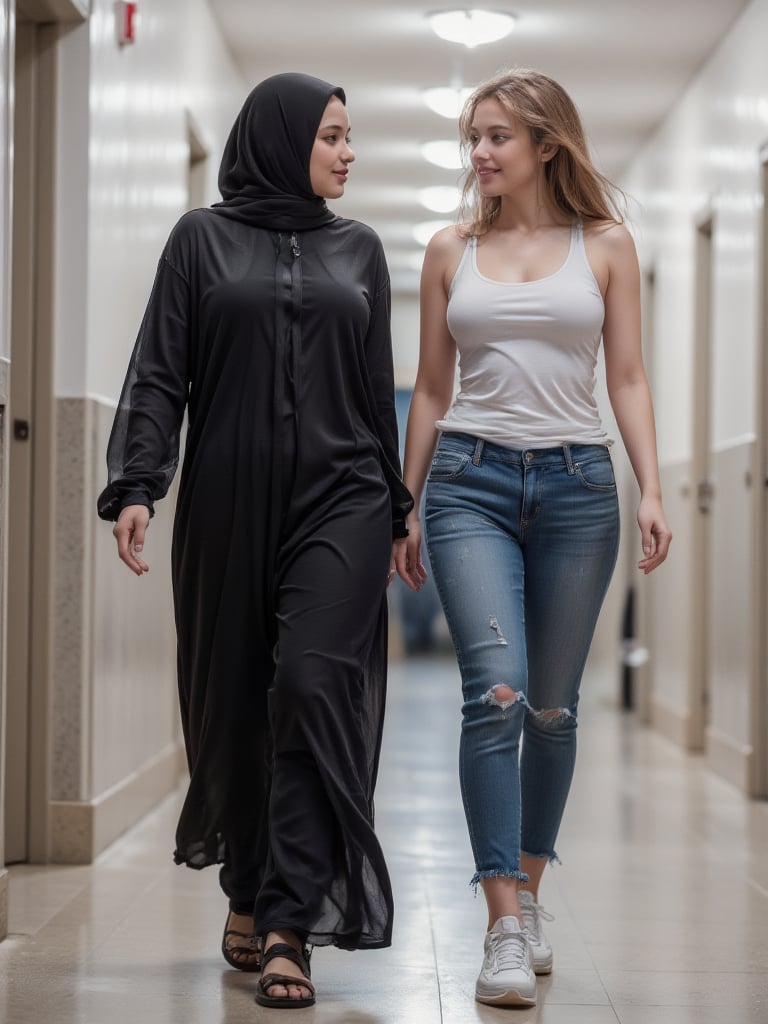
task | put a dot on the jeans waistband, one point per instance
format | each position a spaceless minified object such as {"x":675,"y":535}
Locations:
{"x":562,"y":454}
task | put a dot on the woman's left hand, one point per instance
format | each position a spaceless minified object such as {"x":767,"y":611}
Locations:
{"x":656,"y":534}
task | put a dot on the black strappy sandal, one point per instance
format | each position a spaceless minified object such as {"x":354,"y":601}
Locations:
{"x":250,"y":946}
{"x":266,"y":981}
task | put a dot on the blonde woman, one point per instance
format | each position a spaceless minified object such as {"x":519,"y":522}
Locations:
{"x":521,"y":514}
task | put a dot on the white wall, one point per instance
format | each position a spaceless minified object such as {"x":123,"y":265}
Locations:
{"x":405,"y":337}
{"x":139,"y":96}
{"x":705,"y":157}
{"x":6,"y":79}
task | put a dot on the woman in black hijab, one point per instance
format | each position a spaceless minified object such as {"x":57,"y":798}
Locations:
{"x":269,"y":324}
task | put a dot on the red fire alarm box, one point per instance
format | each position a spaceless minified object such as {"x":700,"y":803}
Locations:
{"x":125,"y":21}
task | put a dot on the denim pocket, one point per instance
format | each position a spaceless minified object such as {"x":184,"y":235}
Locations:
{"x":448,"y":465}
{"x":596,"y":474}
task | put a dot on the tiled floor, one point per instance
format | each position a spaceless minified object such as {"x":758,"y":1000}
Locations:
{"x":661,"y":907}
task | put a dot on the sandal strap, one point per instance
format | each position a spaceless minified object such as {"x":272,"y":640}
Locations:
{"x":282,"y":949}
{"x":252,"y":939}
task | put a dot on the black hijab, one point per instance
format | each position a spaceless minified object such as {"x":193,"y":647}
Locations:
{"x":264,"y":174}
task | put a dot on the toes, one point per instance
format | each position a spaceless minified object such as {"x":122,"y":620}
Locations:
{"x":291,"y":992}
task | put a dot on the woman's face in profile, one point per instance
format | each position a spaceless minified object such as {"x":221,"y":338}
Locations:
{"x":331,"y":153}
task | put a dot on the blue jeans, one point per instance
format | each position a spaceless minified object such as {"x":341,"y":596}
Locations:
{"x":522,"y":546}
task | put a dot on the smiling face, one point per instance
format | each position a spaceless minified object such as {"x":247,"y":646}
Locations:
{"x":505,"y":158}
{"x":331,"y":153}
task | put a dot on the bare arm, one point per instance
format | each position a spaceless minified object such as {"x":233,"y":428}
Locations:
{"x":432,"y":391}
{"x":629,"y":392}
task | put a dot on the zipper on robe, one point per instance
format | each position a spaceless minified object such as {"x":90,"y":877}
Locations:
{"x":285,"y":449}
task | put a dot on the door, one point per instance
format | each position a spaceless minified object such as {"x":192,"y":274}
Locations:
{"x":30,"y":470}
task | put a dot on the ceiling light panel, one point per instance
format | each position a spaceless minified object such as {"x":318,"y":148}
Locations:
{"x":471,"y":28}
{"x":443,"y":153}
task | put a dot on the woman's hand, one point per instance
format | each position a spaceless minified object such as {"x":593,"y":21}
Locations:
{"x":654,"y":532}
{"x":129,"y":532}
{"x":406,"y":557}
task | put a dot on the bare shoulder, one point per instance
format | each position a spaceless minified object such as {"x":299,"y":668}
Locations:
{"x":444,"y":253}
{"x":446,"y":242}
{"x":609,"y":237}
{"x":611,"y":252}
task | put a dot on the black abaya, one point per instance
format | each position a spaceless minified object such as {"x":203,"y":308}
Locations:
{"x":277,"y":343}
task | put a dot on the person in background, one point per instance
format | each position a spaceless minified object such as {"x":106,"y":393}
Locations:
{"x":521,"y":514}
{"x":268,"y":323}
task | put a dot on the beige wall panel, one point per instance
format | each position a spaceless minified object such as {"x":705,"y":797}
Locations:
{"x":669,"y":611}
{"x":3,"y":903}
{"x":729,"y":641}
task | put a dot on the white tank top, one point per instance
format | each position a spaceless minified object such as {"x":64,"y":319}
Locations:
{"x":527,"y":354}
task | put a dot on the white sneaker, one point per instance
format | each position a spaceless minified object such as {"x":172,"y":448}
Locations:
{"x":506,"y":977}
{"x":533,"y":913}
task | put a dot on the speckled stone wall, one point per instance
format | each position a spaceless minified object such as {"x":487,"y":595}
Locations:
{"x":115,"y":733}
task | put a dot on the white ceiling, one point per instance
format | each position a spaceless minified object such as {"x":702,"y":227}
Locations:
{"x":624,"y":62}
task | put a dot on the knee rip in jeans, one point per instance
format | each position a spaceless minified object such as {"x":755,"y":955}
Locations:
{"x":504,"y":697}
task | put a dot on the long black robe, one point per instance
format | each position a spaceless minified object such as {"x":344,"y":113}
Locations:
{"x":278,"y":345}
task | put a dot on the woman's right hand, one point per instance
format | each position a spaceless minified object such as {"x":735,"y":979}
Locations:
{"x":129,"y":532}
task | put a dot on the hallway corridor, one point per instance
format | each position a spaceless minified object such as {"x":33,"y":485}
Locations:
{"x":660,"y":908}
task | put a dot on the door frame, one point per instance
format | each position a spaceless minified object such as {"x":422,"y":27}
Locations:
{"x":699,"y":664}
{"x":643,"y":619}
{"x":30,"y":570}
{"x":758,"y":698}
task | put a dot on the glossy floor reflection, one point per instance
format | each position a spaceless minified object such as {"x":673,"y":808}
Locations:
{"x":661,"y":905}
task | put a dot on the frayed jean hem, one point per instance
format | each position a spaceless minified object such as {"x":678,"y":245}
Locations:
{"x":479,"y":876}
{"x":550,"y":856}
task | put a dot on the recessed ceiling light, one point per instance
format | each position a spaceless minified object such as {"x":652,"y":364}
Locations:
{"x":472,"y":28}
{"x":423,"y":232}
{"x":440,"y":198}
{"x":443,"y":153}
{"x":446,"y":101}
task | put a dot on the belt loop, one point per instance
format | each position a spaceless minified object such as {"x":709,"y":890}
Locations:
{"x":568,"y":460}
{"x":478,"y":452}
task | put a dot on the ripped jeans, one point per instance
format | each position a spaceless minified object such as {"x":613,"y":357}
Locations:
{"x":522,"y":546}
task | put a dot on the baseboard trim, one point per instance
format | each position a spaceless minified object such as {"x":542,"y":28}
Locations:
{"x":729,"y":759}
{"x":80,"y":830}
{"x":3,"y":903}
{"x":670,"y":721}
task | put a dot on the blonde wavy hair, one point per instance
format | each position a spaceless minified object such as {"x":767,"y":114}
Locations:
{"x":538,"y":102}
